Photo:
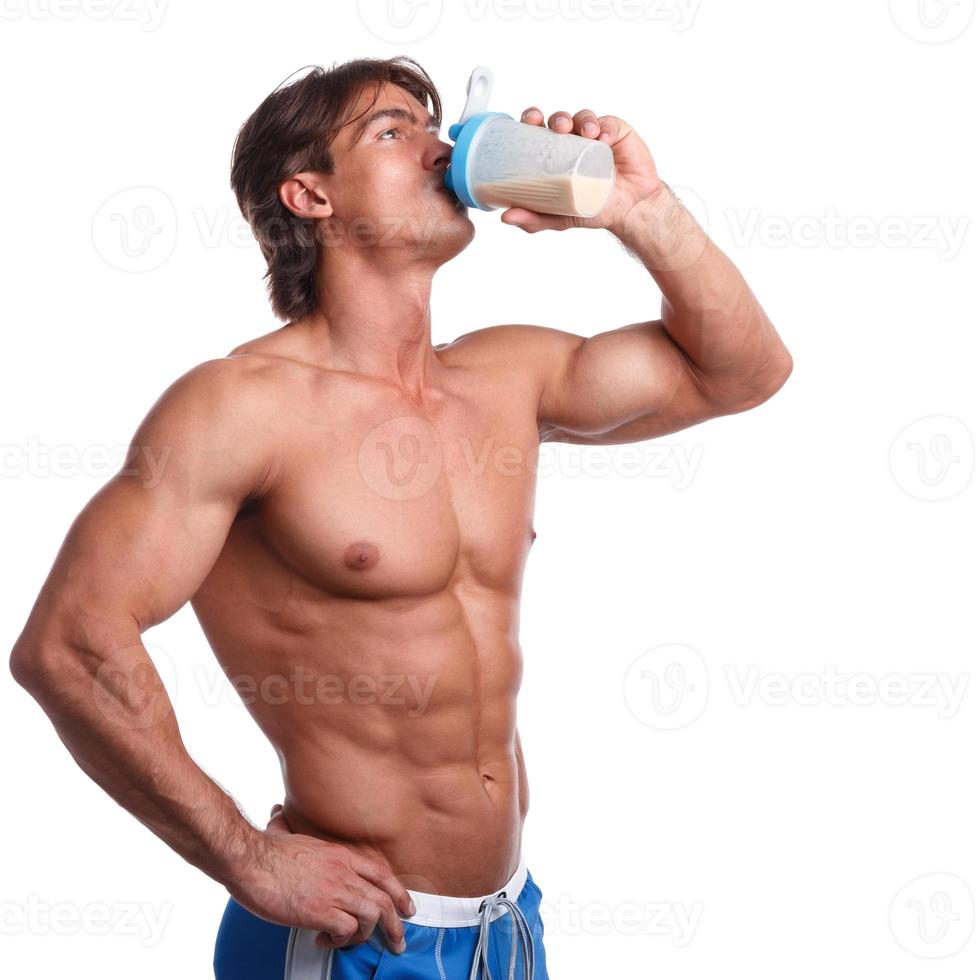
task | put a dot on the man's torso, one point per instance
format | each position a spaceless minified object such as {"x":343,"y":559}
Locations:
{"x":366,"y":605}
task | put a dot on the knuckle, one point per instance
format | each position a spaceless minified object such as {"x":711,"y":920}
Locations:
{"x":368,"y":909}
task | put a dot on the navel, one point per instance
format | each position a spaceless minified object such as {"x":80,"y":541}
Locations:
{"x":361,"y":555}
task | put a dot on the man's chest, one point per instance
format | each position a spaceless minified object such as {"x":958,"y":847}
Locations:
{"x":388,"y":500}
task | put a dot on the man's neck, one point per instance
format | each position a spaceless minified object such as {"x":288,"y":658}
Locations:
{"x":374,"y":320}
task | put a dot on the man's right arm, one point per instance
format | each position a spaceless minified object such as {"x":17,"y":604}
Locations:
{"x":135,"y":554}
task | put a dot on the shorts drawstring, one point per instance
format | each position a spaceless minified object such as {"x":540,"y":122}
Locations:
{"x":521,"y":931}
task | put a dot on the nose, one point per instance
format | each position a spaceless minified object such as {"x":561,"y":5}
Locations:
{"x":438,"y":156}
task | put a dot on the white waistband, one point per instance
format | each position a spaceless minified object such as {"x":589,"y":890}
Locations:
{"x":452,"y":910}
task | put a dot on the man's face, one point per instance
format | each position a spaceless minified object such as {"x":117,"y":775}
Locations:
{"x":387,"y":187}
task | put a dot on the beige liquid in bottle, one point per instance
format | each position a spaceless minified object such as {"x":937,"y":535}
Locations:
{"x":548,"y":194}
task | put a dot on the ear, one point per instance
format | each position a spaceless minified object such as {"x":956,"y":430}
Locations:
{"x":305,"y":195}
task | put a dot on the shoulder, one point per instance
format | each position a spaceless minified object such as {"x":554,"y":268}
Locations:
{"x":218,"y":420}
{"x":526,"y":345}
{"x":213,"y":388}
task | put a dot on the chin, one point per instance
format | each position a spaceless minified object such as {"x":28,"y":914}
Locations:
{"x":443,"y":230}
{"x":453,"y":233}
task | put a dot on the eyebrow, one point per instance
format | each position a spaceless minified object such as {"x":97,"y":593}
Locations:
{"x":391,"y":112}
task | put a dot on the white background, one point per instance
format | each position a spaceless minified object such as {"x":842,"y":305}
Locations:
{"x":686,"y":821}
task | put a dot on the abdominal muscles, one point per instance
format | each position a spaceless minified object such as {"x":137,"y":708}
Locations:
{"x":393,"y":719}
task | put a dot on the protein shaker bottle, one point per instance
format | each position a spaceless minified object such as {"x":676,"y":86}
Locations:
{"x":499,"y":162}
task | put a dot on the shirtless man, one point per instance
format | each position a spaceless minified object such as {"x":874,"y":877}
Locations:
{"x":348,"y":508}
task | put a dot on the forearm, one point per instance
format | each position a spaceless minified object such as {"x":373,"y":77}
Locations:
{"x":707,"y":307}
{"x":115,"y":718}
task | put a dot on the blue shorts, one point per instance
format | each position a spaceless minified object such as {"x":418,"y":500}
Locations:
{"x":444,"y":939}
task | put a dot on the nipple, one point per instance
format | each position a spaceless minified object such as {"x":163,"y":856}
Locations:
{"x":361,"y":555}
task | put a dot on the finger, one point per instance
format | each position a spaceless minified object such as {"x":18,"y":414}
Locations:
{"x":381,"y":876}
{"x":612,"y":129}
{"x":533,"y":115}
{"x":532,"y":221}
{"x":586,"y":123}
{"x":277,"y":825}
{"x":370,"y":913}
{"x":560,"y":122}
{"x":384,"y":907}
{"x":339,"y":929}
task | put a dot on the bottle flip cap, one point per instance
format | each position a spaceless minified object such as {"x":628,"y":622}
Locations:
{"x":464,"y":133}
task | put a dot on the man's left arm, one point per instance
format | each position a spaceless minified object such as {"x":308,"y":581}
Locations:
{"x":713,"y":351}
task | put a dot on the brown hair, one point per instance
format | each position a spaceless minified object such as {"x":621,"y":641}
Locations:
{"x":291,"y":131}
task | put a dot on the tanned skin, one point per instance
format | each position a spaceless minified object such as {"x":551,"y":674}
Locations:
{"x":345,"y":504}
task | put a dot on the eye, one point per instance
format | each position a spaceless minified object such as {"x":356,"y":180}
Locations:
{"x":385,"y":133}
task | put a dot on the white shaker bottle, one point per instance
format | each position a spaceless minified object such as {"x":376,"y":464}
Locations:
{"x":499,"y":162}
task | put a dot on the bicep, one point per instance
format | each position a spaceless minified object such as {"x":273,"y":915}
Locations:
{"x":144,"y":543}
{"x":623,"y":385}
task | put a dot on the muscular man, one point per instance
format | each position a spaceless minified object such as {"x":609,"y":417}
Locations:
{"x":348,"y":508}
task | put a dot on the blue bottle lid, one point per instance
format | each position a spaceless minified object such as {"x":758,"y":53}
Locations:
{"x":463,"y":134}
{"x":456,"y":177}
